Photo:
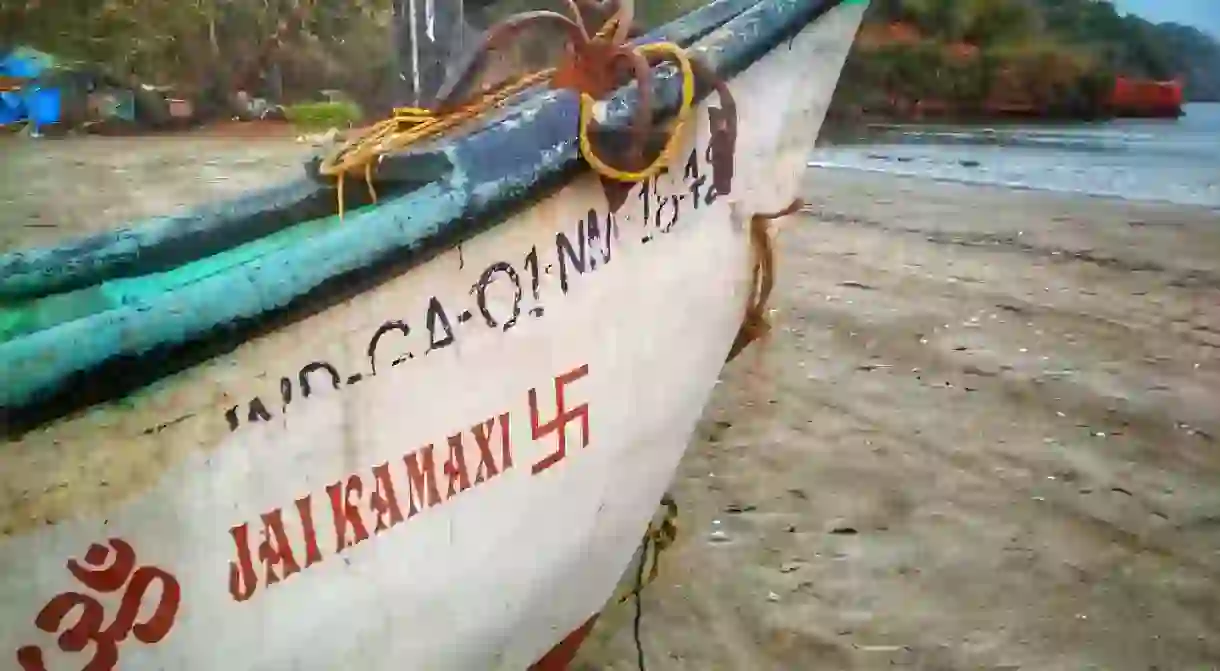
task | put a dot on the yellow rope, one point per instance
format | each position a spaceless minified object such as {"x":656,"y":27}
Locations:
{"x":675,"y":52}
{"x":411,"y":125}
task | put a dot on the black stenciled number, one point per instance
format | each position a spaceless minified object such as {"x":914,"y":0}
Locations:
{"x":696,"y":181}
{"x":607,"y":234}
{"x":660,"y":212}
{"x":712,"y":194}
{"x":480,"y":291}
{"x":438,"y":318}
{"x":590,"y":231}
{"x":285,"y":393}
{"x":258,"y":411}
{"x":674,"y":210}
{"x":303,"y":376}
{"x":231,"y":418}
{"x":392,"y":325}
{"x":531,"y":266}
{"x":610,"y":233}
{"x":574,"y":257}
{"x":646,"y":189}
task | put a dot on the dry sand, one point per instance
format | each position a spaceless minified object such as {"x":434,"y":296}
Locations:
{"x":985,"y":434}
{"x":52,"y":190}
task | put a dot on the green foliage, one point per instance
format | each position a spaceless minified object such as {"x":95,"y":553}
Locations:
{"x":323,"y":115}
{"x":213,"y":47}
{"x":1196,"y":56}
{"x":285,"y":50}
{"x":648,"y":13}
{"x":974,"y":21}
{"x":1058,"y":56}
{"x":652,"y":13}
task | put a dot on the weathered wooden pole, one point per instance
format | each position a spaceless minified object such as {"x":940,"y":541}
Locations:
{"x":428,"y":35}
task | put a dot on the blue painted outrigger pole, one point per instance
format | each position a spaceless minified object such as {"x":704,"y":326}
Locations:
{"x":98,"y":318}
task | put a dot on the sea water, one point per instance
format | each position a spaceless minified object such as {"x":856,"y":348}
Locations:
{"x":1157,"y":160}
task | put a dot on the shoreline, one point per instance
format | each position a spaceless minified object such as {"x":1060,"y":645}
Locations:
{"x":841,"y":120}
{"x":78,"y":186}
{"x":1134,"y":160}
{"x":1014,"y":186}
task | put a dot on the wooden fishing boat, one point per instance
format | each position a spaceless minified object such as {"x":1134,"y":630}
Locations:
{"x":429,"y":434}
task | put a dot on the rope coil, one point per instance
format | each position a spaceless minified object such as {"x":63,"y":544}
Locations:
{"x":685,"y":67}
{"x":408,"y":126}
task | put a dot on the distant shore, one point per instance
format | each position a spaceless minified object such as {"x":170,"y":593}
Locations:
{"x":846,"y":119}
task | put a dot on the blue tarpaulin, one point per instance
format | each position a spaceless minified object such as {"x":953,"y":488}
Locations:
{"x":25,"y":63}
{"x":42,"y":104}
{"x":12,"y":109}
{"x":39,"y":104}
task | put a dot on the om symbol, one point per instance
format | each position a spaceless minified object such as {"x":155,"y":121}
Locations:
{"x":96,"y":575}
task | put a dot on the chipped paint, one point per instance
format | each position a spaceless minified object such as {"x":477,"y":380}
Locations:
{"x":501,"y":164}
{"x":162,"y":243}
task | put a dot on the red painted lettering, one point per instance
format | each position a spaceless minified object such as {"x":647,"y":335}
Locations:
{"x":242,"y":580}
{"x":305,"y":512}
{"x":482,"y":436}
{"x":563,"y":416}
{"x":421,"y":480}
{"x":89,"y":627}
{"x":455,"y":467}
{"x":275,"y":549}
{"x":346,"y":514}
{"x":276,"y":552}
{"x":383,"y":502}
{"x":487,"y":464}
{"x":506,"y":445}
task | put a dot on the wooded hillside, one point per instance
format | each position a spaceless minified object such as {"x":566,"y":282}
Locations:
{"x":1045,"y":57}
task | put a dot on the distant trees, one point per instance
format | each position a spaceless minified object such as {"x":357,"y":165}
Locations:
{"x":1130,"y":45}
{"x":648,"y":13}
{"x":973,"y":21}
{"x":1058,"y":53}
{"x":213,"y":47}
{"x":208,"y":49}
{"x":1194,"y":55}
{"x":1055,"y":57}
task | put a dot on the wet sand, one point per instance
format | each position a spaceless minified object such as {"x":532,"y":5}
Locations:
{"x":985,"y":433}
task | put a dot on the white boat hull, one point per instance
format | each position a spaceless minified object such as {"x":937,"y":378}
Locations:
{"x":430,"y":507}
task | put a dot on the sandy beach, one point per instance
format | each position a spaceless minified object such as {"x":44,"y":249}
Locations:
{"x":52,"y":190}
{"x":983,"y":434}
